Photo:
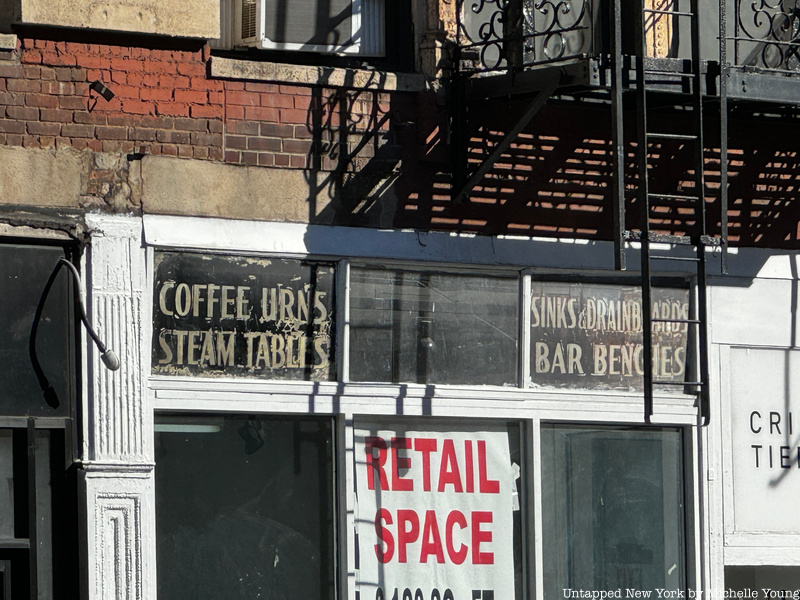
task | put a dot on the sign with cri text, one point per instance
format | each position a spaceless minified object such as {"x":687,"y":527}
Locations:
{"x":590,"y":335}
{"x":243,"y":316}
{"x":434,"y":513}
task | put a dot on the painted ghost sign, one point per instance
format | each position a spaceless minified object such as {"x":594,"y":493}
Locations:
{"x":590,"y":335}
{"x":434,"y":513}
{"x":243,"y":316}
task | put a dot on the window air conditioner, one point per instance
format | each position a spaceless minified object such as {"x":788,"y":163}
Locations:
{"x":350,"y":27}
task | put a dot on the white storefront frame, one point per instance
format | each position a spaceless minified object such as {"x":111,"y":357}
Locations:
{"x":126,"y":245}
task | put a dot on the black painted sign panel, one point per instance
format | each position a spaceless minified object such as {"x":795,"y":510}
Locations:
{"x":242,"y":316}
{"x":590,"y":335}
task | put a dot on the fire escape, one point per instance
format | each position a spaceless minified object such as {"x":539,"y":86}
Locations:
{"x":659,"y":67}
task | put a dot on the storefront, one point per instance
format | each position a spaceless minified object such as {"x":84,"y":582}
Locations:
{"x":397,"y":415}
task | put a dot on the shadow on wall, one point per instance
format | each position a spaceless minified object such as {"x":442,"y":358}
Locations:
{"x":381,"y":159}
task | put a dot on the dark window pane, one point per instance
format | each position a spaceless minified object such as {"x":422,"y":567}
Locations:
{"x":24,"y":271}
{"x":433,"y":327}
{"x":242,"y":316}
{"x":312,"y":22}
{"x":612,"y":502}
{"x":244,"y":508}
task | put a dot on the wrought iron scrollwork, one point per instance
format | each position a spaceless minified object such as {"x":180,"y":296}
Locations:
{"x":768,"y":34}
{"x":492,"y":32}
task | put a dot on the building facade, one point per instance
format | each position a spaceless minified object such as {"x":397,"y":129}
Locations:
{"x":398,"y":300}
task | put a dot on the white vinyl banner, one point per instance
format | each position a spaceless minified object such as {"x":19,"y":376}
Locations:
{"x":434,"y":514}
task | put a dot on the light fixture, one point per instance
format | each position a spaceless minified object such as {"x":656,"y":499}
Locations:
{"x":108,"y":356}
{"x":99,"y":87}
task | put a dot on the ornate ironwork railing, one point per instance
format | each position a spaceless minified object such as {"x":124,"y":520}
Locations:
{"x":767,"y":34}
{"x":509,"y":34}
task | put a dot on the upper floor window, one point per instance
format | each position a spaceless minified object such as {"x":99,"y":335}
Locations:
{"x":338,"y":27}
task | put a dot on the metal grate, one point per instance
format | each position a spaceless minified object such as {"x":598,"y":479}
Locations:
{"x":249,"y":11}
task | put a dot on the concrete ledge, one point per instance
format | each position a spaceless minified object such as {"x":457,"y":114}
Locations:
{"x":8,"y":41}
{"x":231,"y":68}
{"x":40,"y":177}
{"x":174,"y":186}
{"x":197,"y":19}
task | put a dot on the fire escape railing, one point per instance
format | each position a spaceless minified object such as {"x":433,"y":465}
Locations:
{"x":766,"y":35}
{"x":498,"y":35}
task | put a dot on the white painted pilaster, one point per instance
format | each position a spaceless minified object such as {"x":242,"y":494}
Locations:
{"x":117,"y":444}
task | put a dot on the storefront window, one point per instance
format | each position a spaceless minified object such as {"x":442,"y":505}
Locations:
{"x":244,"y":507}
{"x":613,"y":509}
{"x":438,"y":511}
{"x":35,"y":380}
{"x":242,"y":316}
{"x":426,"y":327}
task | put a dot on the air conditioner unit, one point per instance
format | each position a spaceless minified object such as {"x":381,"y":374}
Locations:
{"x":351,"y":27}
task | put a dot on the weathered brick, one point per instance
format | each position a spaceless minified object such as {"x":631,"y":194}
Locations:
{"x":11,"y":71}
{"x":137,"y":107}
{"x":169,"y":149}
{"x":262,"y":143}
{"x":24,"y":85}
{"x":297,"y":146}
{"x":173,"y":137}
{"x":215,"y":126}
{"x":58,"y":87}
{"x":191,"y":96}
{"x":190,"y":124}
{"x":216,"y":153}
{"x":206,"y":139}
{"x":31,"y":56}
{"x":12,"y":99}
{"x":172,"y":109}
{"x":282,"y":160}
{"x":55,"y":114}
{"x":258,"y":113}
{"x":126,"y":65}
{"x":242,"y":127}
{"x":231,"y":156}
{"x":192,"y":69}
{"x":275,"y":130}
{"x":199,"y":152}
{"x":23,"y":113}
{"x":236,"y":141}
{"x":243,"y":98}
{"x":160,"y":94}
{"x":93,"y":118}
{"x":93,"y":62}
{"x":39,"y":128}
{"x":77,"y":130}
{"x":206,"y":112}
{"x":185,"y":151}
{"x":249,"y":158}
{"x":12,"y":126}
{"x":73,"y":102}
{"x":70,"y":74}
{"x":234,"y":112}
{"x":298,"y":162}
{"x":41,"y":100}
{"x":143,"y":134}
{"x":112,"y":133}
{"x":278,"y":100}
{"x":266,"y":159}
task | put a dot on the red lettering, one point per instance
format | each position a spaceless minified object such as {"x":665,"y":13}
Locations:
{"x":374,"y":464}
{"x":448,"y":470}
{"x":469,"y":467}
{"x":431,"y":540}
{"x":425,"y":447}
{"x":479,"y":536}
{"x":406,"y":536}
{"x":400,"y":462}
{"x":487,"y":486}
{"x":453,"y":519}
{"x":384,"y":535}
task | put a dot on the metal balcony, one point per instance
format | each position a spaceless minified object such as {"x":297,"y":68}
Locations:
{"x":760,"y":49}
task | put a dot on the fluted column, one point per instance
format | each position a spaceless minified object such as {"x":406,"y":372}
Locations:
{"x":117,"y":445}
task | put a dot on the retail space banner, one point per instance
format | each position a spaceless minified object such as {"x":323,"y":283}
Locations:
{"x":590,"y":335}
{"x":244,"y":316}
{"x":434,"y":514}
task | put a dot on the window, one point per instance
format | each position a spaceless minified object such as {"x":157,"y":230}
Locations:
{"x":439,"y":510}
{"x":242,"y":316}
{"x":433,"y":327}
{"x":38,"y":511}
{"x":245,"y":507}
{"x":613,"y":509}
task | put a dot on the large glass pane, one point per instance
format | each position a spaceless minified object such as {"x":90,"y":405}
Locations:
{"x":433,"y":327}
{"x":244,"y":508}
{"x":613,"y":513}
{"x":26,"y":375}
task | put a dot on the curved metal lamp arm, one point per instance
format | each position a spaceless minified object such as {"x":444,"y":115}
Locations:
{"x":108,"y":356}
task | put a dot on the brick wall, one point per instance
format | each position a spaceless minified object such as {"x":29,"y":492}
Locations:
{"x":166,"y":104}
